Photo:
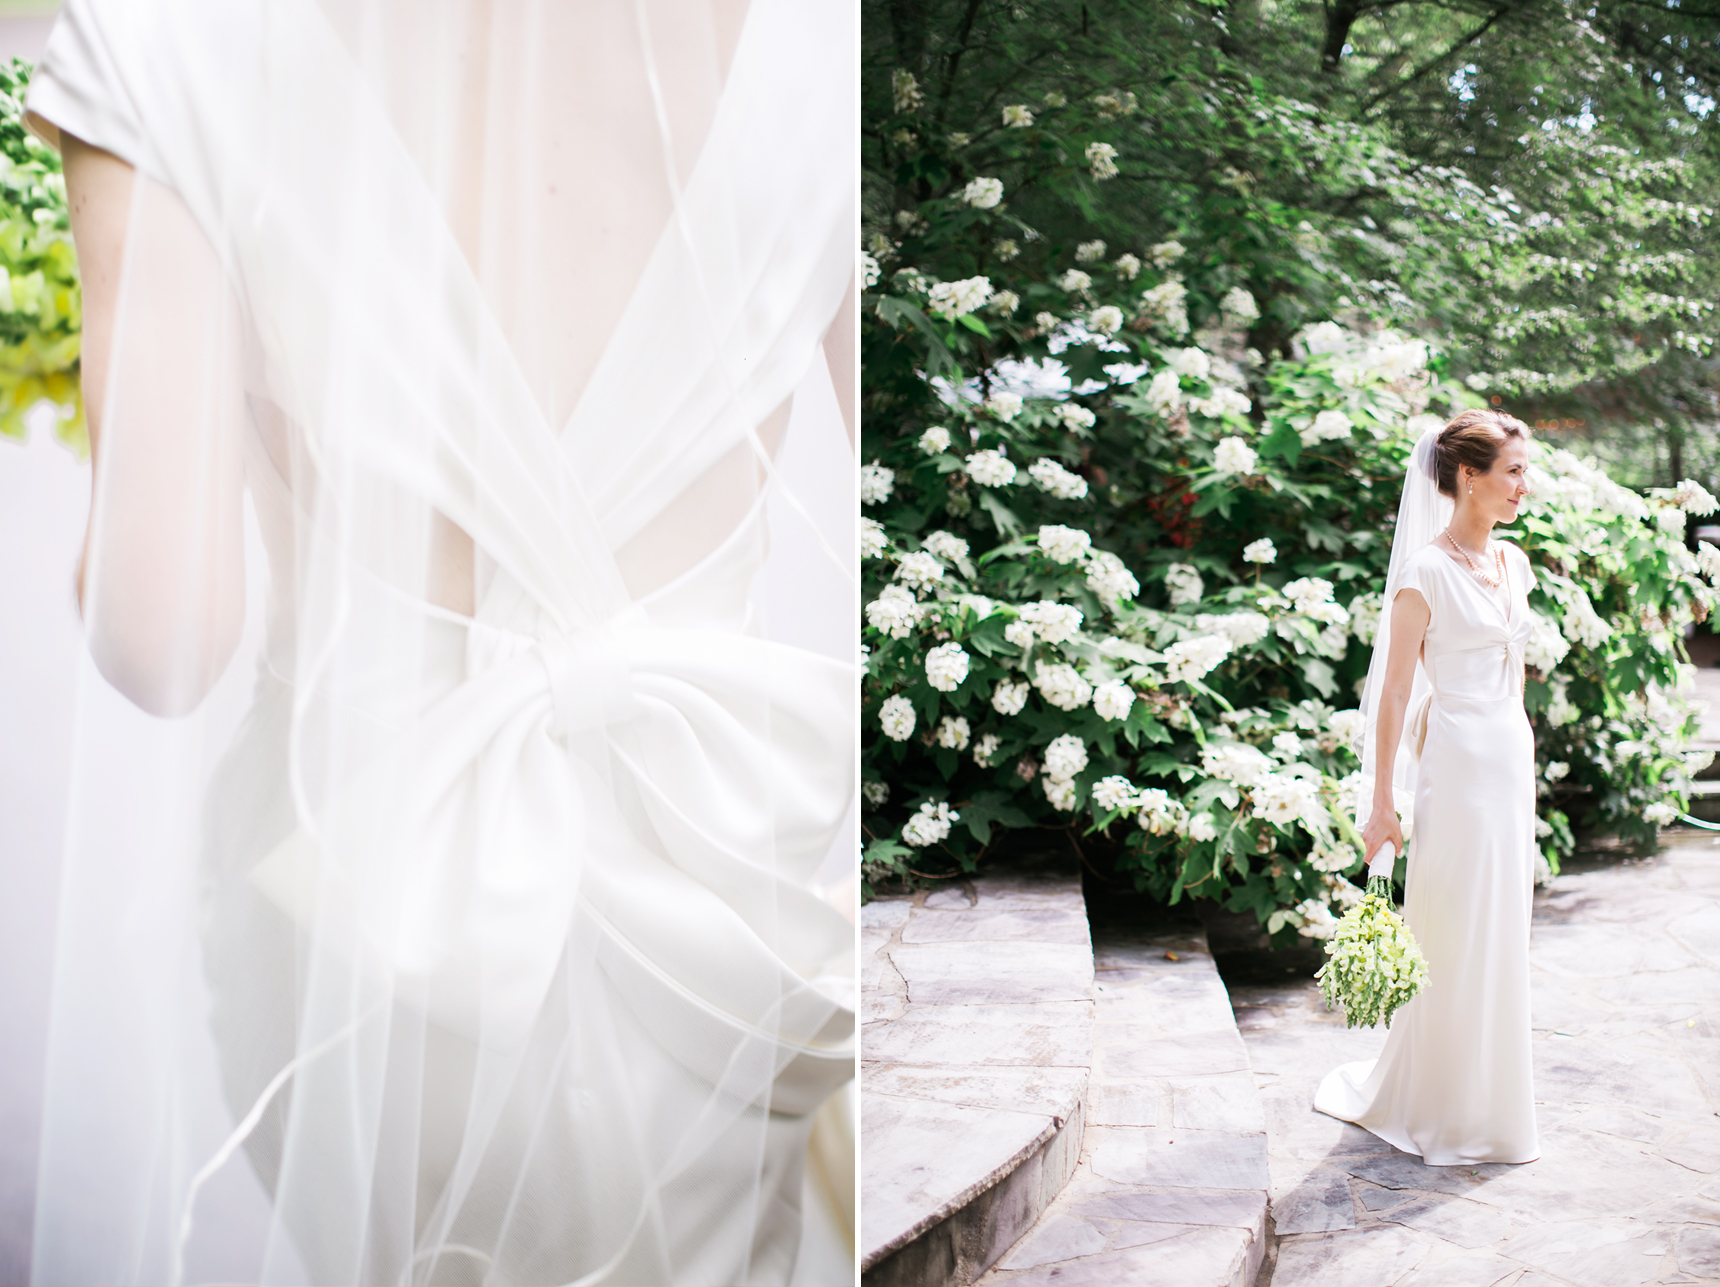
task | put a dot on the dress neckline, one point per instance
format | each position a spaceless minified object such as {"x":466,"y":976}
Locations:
{"x":1465,"y":576}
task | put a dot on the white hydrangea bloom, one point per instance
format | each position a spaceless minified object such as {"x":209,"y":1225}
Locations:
{"x":1059,"y":791}
{"x":1053,"y":622}
{"x":897,"y":718}
{"x":1019,"y":633}
{"x":1008,"y":698}
{"x":1365,"y":617}
{"x":869,"y":271}
{"x":1312,"y":596}
{"x":1102,"y":158}
{"x":946,"y":667}
{"x":1166,"y":305}
{"x":929,"y":825}
{"x":1239,"y":307}
{"x":1195,"y":363}
{"x":1235,"y":762}
{"x":1327,"y":425}
{"x":1089,"y":252}
{"x":1555,"y":770}
{"x":1546,"y":647}
{"x":1660,"y":813}
{"x":1233,"y":456}
{"x":991,"y":468}
{"x":1063,"y":544}
{"x":953,"y":732}
{"x":1694,"y":498}
{"x":1332,"y":857}
{"x":1109,"y":578}
{"x":946,"y":545}
{"x":875,"y":793}
{"x":983,"y":194}
{"x":1202,"y":828}
{"x":1066,"y":756}
{"x":1106,"y":319}
{"x":1193,"y":658}
{"x":906,"y":90}
{"x":1324,"y":337}
{"x":873,"y":540}
{"x":1113,"y":700}
{"x":1670,"y":520}
{"x":1127,"y":266}
{"x":1243,"y":629}
{"x":985,"y":750}
{"x":1165,"y":253}
{"x":1184,"y":584}
{"x":1261,"y":551}
{"x":1164,"y":394}
{"x":1583,"y":625}
{"x":1074,"y":281}
{"x":1285,"y":798}
{"x":1561,"y":710}
{"x":1223,"y":402}
{"x":1046,"y":321}
{"x":1159,"y":814}
{"x":1075,"y":416}
{"x":1708,"y":559}
{"x":1317,"y":919}
{"x":1004,"y":405}
{"x":935,"y":440}
{"x":1114,"y":793}
{"x":1286,"y":746}
{"x":1007,"y":249}
{"x":919,"y":570}
{"x":894,"y":612}
{"x":1017,"y":116}
{"x":1005,"y":302}
{"x":1062,"y":685}
{"x":875,"y":483}
{"x":950,"y":300}
{"x":1346,"y":727}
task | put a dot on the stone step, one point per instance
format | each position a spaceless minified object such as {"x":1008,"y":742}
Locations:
{"x":977,"y":1001}
{"x":1172,"y":1183}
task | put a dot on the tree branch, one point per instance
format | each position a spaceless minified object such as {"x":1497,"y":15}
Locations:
{"x":1425,"y":68}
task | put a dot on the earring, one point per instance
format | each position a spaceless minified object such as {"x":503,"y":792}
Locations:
{"x":1472,"y":489}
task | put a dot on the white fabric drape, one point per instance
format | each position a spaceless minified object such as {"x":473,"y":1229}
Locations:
{"x":482,"y":939}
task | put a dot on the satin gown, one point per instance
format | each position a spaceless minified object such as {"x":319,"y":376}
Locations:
{"x":1454,"y":1082}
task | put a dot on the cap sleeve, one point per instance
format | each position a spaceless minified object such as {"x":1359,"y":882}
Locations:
{"x":1524,"y":569}
{"x":1417,"y":576}
{"x":76,"y":87}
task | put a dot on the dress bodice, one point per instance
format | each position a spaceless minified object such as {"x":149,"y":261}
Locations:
{"x":1473,"y":649}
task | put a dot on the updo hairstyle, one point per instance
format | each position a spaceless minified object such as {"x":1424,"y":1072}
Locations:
{"x":1473,"y":438}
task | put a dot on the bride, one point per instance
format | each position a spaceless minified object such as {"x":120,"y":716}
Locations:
{"x":449,"y":921}
{"x":1444,"y":717}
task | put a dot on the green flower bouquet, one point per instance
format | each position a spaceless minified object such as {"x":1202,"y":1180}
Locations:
{"x":1373,"y":962}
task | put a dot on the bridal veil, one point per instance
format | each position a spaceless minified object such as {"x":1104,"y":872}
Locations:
{"x":456,"y":927}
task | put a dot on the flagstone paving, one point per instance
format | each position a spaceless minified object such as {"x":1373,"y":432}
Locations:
{"x":1625,"y":963}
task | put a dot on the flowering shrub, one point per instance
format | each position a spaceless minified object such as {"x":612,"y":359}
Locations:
{"x":1122,"y":575}
{"x":41,"y":306}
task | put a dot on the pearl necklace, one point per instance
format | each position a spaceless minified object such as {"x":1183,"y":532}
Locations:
{"x":1492,"y":583}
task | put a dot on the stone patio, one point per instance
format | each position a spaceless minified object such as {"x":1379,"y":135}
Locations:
{"x":1625,"y":963}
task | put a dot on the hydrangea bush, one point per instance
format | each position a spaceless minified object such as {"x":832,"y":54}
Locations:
{"x":1122,"y":571}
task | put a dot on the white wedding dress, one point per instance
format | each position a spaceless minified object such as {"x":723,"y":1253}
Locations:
{"x":483,"y":937}
{"x":1454,"y":1082}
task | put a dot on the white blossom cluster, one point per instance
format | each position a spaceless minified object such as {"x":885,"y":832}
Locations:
{"x":1582,"y":624}
{"x":1261,"y":551}
{"x":1192,"y":363}
{"x":1102,"y":159}
{"x":953,"y":732}
{"x":876,"y":482}
{"x":1365,"y":617}
{"x":1115,"y":793}
{"x":935,"y":440}
{"x":1128,"y":267}
{"x":1166,"y":306}
{"x":1062,"y":685}
{"x":906,"y":90}
{"x":919,"y":570}
{"x":1546,"y":647}
{"x":1284,"y":799}
{"x":1007,"y":698}
{"x":1089,"y":252}
{"x":1236,"y":762}
{"x":1660,"y":813}
{"x":947,"y":667}
{"x":1327,"y":426}
{"x":1708,"y":559}
{"x":1017,"y":116}
{"x":1346,"y":727}
{"x":1183,"y":584}
{"x":950,"y":300}
{"x":1004,"y":405}
{"x":1053,"y":478}
{"x":875,"y":793}
{"x":1063,"y":544}
{"x":1109,"y":578}
{"x":1165,"y":253}
{"x":873,"y":540}
{"x":869,"y":271}
{"x":1223,"y":402}
{"x":895,"y":612}
{"x":1075,"y":281}
{"x":1164,"y":393}
{"x":1239,"y":307}
{"x":1005,"y":302}
{"x":1312,"y":597}
{"x":1064,"y":758}
{"x":1241,"y":628}
{"x":946,"y":546}
{"x":1234,"y":456}
{"x":1160,"y":814}
{"x":1054,"y":623}
{"x":1107,"y":319}
{"x":1194,"y":658}
{"x":983,"y":194}
{"x":1113,"y":700}
{"x":1074,"y":416}
{"x":896,"y":717}
{"x":930,"y":825}
{"x":988,"y":468}
{"x":985,"y":750}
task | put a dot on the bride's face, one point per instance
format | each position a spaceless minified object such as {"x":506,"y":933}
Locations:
{"x":1500,"y":491}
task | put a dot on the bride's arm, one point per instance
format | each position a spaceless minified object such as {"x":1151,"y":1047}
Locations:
{"x":1410,"y":615}
{"x":161,"y":584}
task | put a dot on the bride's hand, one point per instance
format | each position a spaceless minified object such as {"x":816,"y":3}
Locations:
{"x":1382,"y":826}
